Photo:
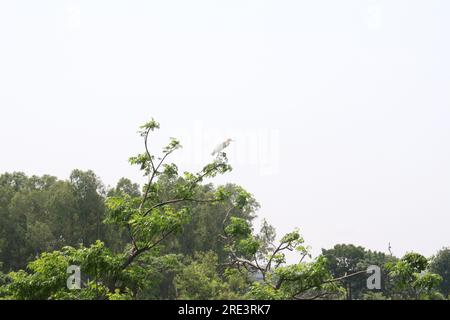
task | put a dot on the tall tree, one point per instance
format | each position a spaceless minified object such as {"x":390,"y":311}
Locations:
{"x":410,"y":278}
{"x":89,"y":200}
{"x":346,"y":259}
{"x":440,"y":264}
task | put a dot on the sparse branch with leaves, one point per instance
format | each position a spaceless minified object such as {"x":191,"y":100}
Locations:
{"x":178,"y":237}
{"x":153,"y":218}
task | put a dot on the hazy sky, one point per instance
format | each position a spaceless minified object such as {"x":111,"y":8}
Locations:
{"x":340,"y":109}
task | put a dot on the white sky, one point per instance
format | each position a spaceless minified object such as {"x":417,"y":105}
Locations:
{"x":340,"y":109}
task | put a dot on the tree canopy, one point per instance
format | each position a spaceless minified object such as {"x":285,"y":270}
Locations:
{"x":179,"y":237}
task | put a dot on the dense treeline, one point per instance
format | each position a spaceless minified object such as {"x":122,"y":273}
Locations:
{"x":178,"y":237}
{"x":44,"y":214}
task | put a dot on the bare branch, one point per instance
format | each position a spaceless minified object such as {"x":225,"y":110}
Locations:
{"x":325,"y":282}
{"x":138,"y":252}
{"x":164,"y":203}
{"x":246,"y":262}
{"x":278,"y":249}
{"x":153,"y":169}
{"x":346,"y":276}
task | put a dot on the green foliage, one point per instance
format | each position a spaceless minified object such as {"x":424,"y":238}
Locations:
{"x":347,"y":259}
{"x":154,"y":219}
{"x":240,"y":232}
{"x":119,"y":295}
{"x":202,"y":232}
{"x":238,"y":228}
{"x":39,"y":214}
{"x":125,"y":187}
{"x":440,"y":264}
{"x":201,"y":279}
{"x":46,"y":277}
{"x":265,"y":291}
{"x":148,"y":126}
{"x":259,"y":258}
{"x":178,"y":237}
{"x":372,"y":295}
{"x":307,"y":280}
{"x":411,"y":279}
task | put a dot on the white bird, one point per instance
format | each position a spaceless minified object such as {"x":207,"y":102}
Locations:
{"x":222,"y":146}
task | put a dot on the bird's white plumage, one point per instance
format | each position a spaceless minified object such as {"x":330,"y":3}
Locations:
{"x":221,"y":146}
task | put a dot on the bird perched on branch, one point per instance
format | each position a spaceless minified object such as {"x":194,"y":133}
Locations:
{"x":221,"y":146}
